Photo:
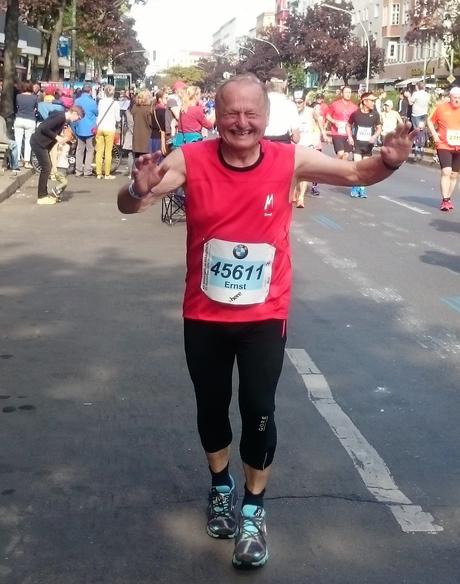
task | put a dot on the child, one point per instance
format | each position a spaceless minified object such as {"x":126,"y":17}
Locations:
{"x":61,"y":164}
{"x":419,"y":143}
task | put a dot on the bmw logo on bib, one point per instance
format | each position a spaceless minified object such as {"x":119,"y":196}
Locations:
{"x":240,"y":251}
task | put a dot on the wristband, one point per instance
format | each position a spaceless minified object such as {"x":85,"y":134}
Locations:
{"x":133,"y":193}
{"x":389,"y":166}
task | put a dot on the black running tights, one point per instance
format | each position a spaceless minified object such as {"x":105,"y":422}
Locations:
{"x":211,"y":349}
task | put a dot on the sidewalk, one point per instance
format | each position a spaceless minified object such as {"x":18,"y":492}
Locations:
{"x":10,"y":183}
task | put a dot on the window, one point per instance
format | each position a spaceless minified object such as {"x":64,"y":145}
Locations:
{"x":395,"y":13}
{"x":392,"y":51}
{"x":406,"y":12}
{"x":376,"y":10}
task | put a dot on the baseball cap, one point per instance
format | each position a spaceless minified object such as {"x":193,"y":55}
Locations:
{"x":455,"y":92}
{"x":178,"y":85}
{"x":388,"y":102}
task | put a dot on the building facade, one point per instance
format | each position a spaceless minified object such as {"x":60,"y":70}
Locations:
{"x":388,"y":22}
{"x":29,"y":45}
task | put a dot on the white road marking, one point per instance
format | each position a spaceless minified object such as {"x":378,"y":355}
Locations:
{"x":406,"y":205}
{"x":444,"y":343}
{"x":395,"y":227}
{"x":362,"y":212}
{"x":370,"y":466}
{"x":437,"y":247}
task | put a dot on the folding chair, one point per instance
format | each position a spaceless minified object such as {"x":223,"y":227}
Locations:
{"x":173,"y":207}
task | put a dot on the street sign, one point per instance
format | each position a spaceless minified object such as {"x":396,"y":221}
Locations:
{"x":451,"y":79}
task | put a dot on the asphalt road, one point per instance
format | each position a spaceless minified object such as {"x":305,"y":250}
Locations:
{"x":102,"y":479}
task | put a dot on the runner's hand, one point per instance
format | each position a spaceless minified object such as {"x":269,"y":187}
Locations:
{"x":397,"y":145}
{"x":147,"y":174}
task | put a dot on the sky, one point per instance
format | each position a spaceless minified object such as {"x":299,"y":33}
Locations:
{"x":187,"y":24}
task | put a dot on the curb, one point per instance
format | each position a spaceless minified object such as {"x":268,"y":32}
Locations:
{"x":14,"y":184}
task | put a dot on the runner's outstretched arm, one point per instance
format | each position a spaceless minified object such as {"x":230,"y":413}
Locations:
{"x":151,"y":182}
{"x":313,"y":165}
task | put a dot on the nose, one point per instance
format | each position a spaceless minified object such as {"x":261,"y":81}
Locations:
{"x":241,"y":120}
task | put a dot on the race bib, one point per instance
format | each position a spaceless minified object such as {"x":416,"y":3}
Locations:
{"x":237,"y":273}
{"x":453,"y":137}
{"x":342,"y":128}
{"x":363,"y":134}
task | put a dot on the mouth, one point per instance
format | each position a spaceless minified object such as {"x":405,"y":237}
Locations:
{"x":241,"y":132}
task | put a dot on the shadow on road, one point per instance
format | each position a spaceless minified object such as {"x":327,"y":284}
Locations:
{"x":446,"y":226}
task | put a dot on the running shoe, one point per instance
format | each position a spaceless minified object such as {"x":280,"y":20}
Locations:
{"x":48,"y":200}
{"x":446,"y":205}
{"x":222,"y":521}
{"x":354,"y":191}
{"x":250,"y":544}
{"x":362,"y":192}
{"x":315,"y":191}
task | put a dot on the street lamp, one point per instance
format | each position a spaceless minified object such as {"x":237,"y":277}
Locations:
{"x":365,"y":34}
{"x":245,"y":49}
{"x":127,"y":53}
{"x":272,"y":45}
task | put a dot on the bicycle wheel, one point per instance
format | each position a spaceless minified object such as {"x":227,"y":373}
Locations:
{"x":116,"y":158}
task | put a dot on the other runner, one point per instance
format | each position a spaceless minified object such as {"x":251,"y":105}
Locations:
{"x":338,"y":115}
{"x":444,"y":126}
{"x":363,"y":130}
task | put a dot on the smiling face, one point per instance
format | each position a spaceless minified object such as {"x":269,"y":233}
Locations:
{"x":455,"y":99}
{"x":241,"y":115}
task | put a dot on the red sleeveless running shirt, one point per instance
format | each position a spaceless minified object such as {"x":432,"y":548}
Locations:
{"x":243,"y":206}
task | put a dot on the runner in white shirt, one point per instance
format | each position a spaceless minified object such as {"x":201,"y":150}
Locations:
{"x":312,"y":134}
{"x":283,"y":123}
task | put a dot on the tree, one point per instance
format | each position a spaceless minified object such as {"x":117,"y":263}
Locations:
{"x":353,"y":62}
{"x":437,"y":20}
{"x":322,"y":39}
{"x":190,"y":75}
{"x":214,"y":67}
{"x":259,"y":57}
{"x":10,"y":55}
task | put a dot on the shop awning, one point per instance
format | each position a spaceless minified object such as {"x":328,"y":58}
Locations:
{"x":409,"y":81}
{"x":386,"y":81}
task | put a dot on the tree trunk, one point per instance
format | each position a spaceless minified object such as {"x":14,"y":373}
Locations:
{"x":46,"y":61}
{"x":54,"y":58}
{"x":7,"y":105}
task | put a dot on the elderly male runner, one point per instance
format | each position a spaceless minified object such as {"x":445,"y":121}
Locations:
{"x":239,"y":281}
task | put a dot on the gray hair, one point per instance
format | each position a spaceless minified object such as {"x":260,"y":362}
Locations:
{"x":243,"y":79}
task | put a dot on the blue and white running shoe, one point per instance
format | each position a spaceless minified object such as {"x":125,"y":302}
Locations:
{"x":222,"y":522}
{"x":250,"y":544}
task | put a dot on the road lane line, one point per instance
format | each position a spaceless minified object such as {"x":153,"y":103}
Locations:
{"x":326,"y":222}
{"x":453,"y":302}
{"x":370,"y":466}
{"x":406,"y":205}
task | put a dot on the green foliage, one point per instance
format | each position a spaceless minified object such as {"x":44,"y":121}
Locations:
{"x":190,"y":75}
